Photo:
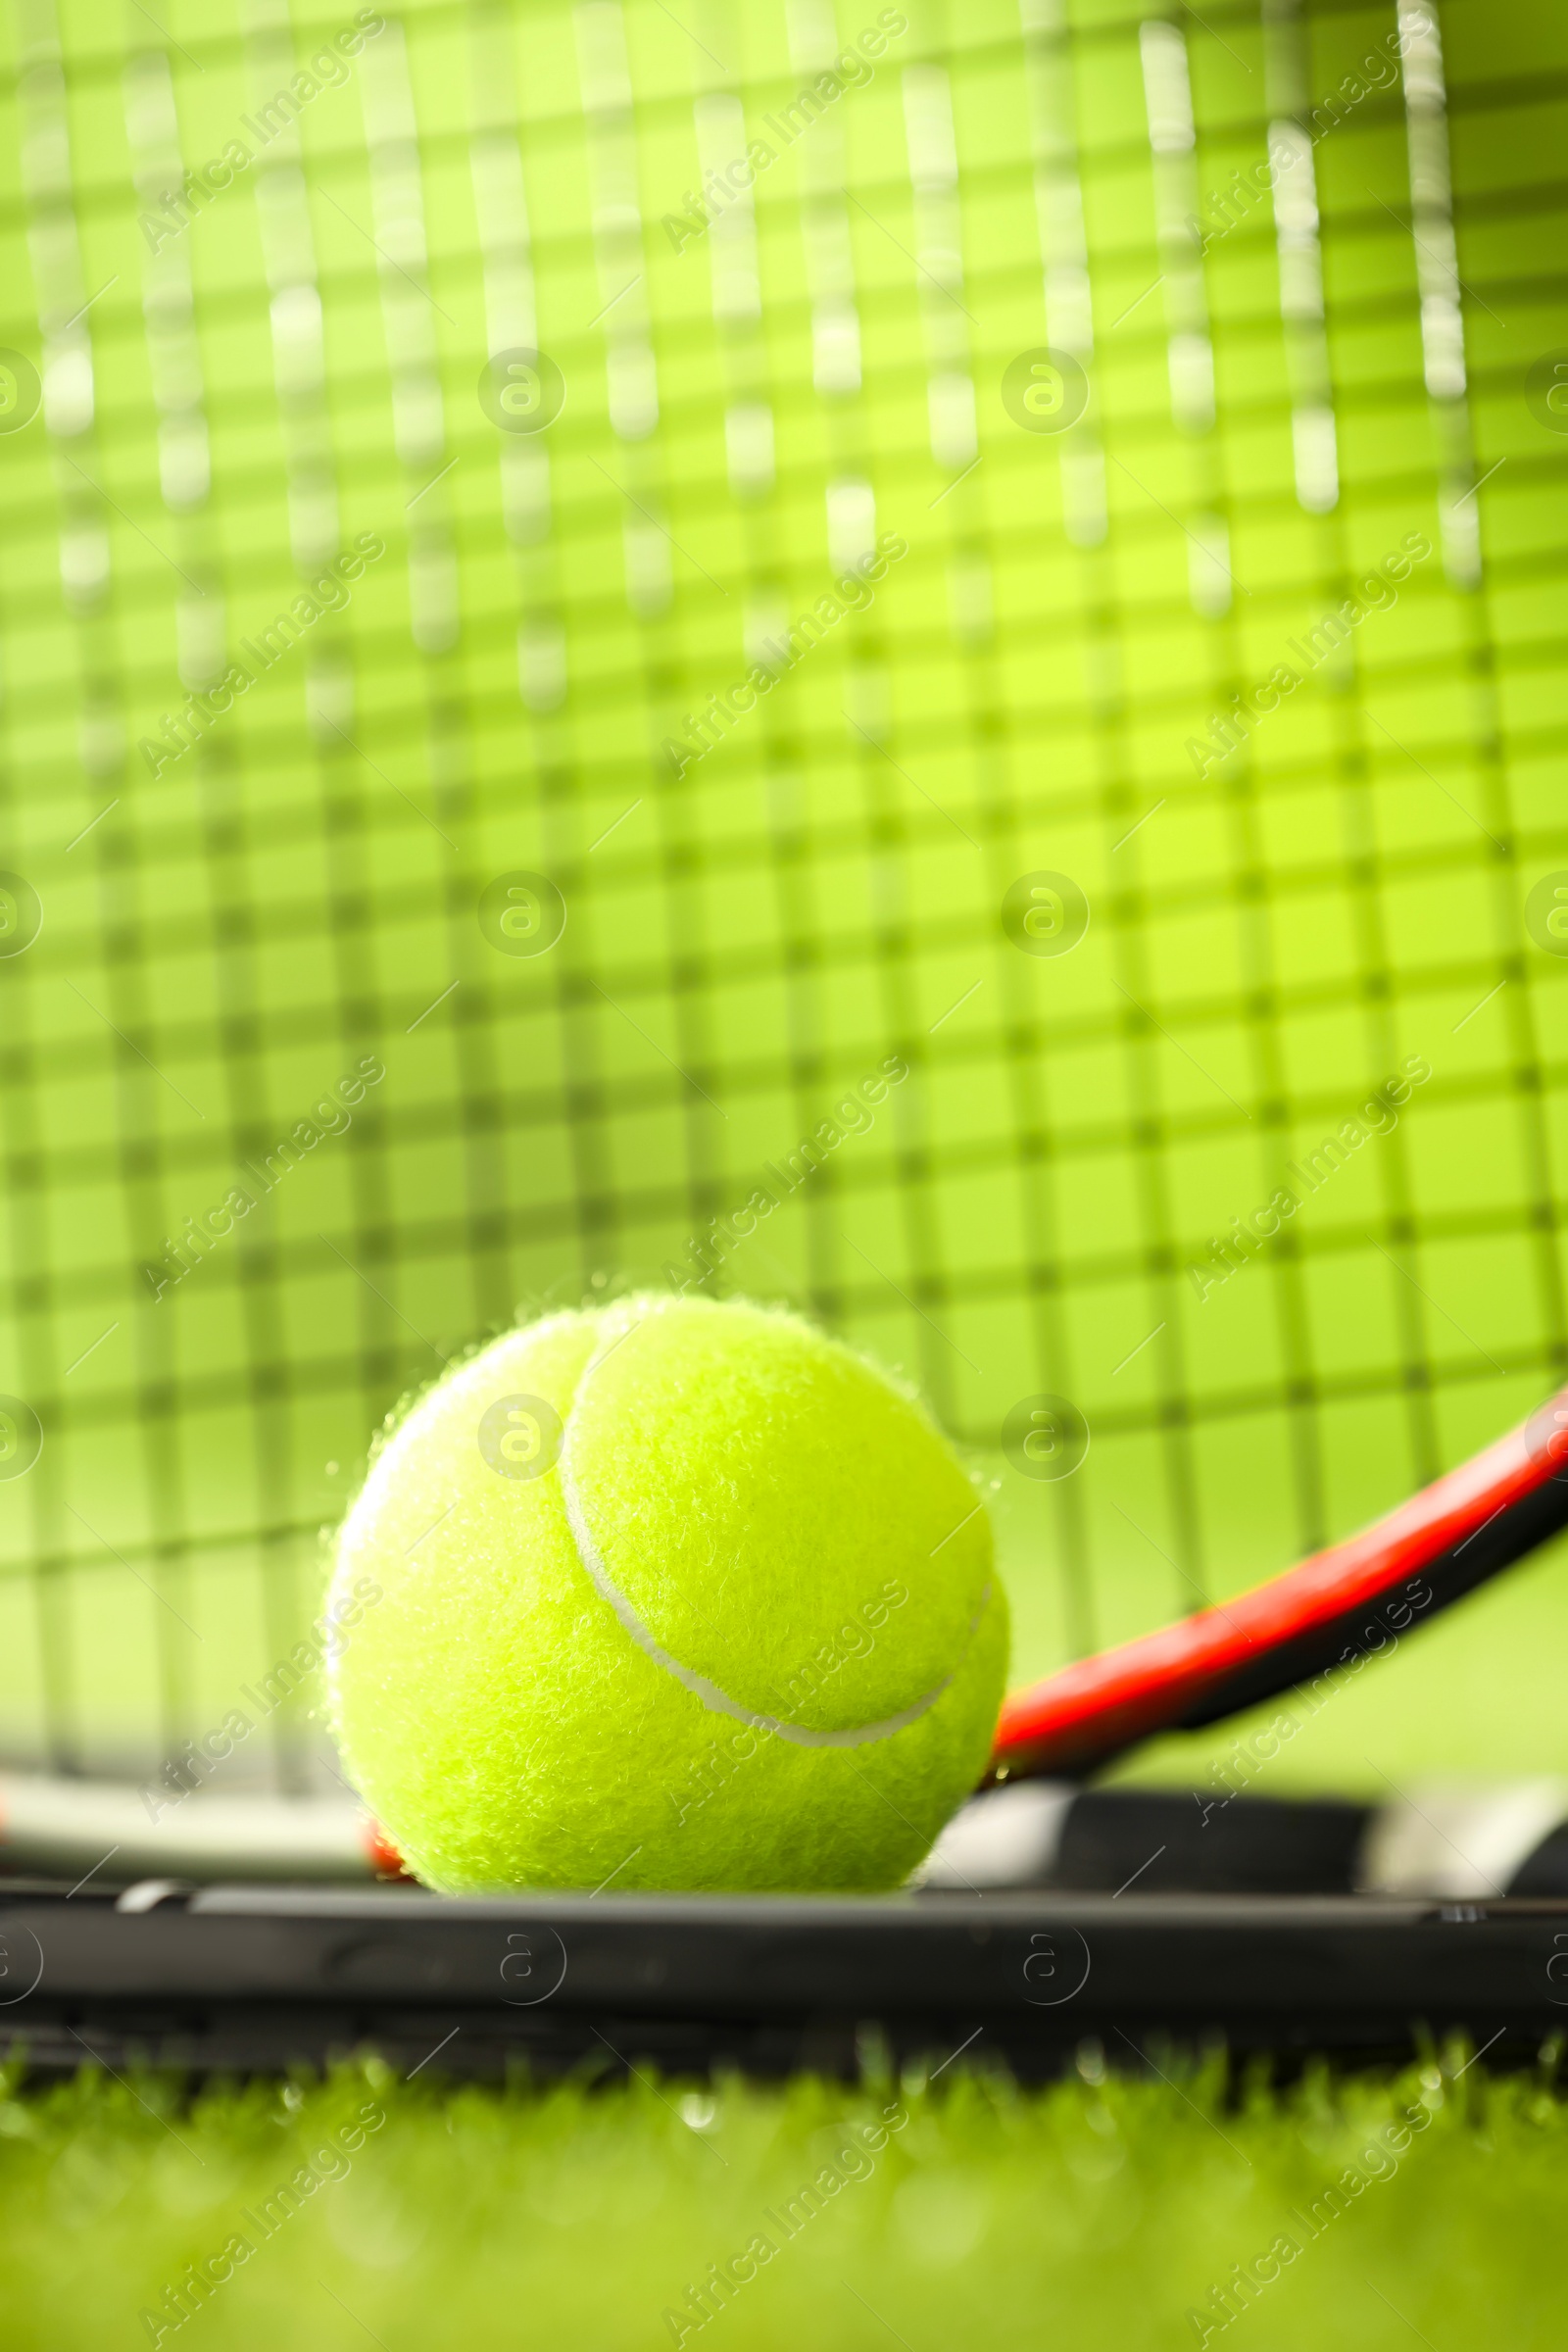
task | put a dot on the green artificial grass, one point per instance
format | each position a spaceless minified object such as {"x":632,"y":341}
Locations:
{"x":960,"y":2212}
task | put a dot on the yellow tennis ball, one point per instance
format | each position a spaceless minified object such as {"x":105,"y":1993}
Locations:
{"x":672,"y":1594}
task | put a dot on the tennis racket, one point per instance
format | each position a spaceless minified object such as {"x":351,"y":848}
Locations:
{"x":199,"y":946}
{"x":1325,"y":1615}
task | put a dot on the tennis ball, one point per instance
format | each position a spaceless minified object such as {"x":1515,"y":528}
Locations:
{"x":669,"y":1593}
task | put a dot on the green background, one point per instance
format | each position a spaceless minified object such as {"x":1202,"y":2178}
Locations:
{"x":1267,"y":942}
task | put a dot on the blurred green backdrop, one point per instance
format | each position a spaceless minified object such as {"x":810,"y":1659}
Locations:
{"x":1251,"y":396}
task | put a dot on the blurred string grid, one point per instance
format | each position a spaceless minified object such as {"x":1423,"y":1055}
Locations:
{"x":1278,"y":387}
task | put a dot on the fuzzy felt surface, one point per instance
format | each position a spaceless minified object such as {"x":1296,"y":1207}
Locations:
{"x":769,"y":1518}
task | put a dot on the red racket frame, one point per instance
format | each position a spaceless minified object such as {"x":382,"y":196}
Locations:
{"x":1339,"y":1605}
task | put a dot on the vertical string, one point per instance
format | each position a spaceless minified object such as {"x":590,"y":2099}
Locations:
{"x":636,"y":478}
{"x":1436,"y":269}
{"x":1188,"y":346}
{"x":67,"y":373}
{"x":1068,"y":309}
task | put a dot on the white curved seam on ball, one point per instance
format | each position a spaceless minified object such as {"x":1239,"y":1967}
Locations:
{"x":717,"y":1701}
